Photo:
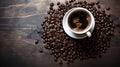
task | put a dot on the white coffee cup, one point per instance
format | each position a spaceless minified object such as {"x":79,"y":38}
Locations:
{"x":78,"y":34}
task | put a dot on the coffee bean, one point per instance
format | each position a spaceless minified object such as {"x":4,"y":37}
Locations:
{"x":51,"y":4}
{"x":41,"y":49}
{"x":108,"y":8}
{"x":55,"y":59}
{"x":66,"y":2}
{"x":58,"y":3}
{"x":71,"y":1}
{"x":36,"y":41}
{"x":97,"y":2}
{"x":92,"y":4}
{"x":85,"y":2}
{"x":46,"y":46}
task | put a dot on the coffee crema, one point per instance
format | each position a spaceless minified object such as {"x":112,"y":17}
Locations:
{"x":79,"y":20}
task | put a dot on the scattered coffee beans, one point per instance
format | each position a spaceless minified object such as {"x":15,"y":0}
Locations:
{"x":68,"y":49}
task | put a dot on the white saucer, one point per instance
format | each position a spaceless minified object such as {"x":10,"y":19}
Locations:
{"x":71,"y":34}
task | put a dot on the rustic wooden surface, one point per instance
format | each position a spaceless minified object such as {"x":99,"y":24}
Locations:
{"x":19,"y":20}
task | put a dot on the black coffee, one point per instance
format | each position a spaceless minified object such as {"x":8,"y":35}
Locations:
{"x":78,"y":20}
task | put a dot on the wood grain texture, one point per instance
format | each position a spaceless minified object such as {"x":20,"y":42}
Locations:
{"x":19,"y":20}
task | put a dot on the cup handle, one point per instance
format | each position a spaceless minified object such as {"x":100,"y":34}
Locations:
{"x":88,"y":34}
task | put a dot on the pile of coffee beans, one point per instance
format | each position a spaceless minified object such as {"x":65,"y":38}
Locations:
{"x":67,"y":49}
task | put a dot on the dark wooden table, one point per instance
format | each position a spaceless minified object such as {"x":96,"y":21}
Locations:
{"x":19,"y":20}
